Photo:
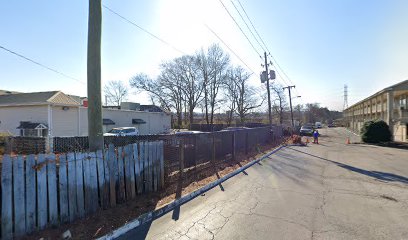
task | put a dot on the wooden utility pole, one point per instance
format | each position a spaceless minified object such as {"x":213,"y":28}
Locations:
{"x":269,"y":92}
{"x":95,"y":132}
{"x":290,"y":102}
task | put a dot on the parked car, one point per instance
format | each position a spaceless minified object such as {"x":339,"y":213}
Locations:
{"x":318,"y":125}
{"x":306,"y":130}
{"x":123,"y":131}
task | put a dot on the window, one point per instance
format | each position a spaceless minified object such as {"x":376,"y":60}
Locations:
{"x":403,"y":102}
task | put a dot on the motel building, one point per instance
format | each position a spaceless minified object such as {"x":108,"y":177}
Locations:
{"x":389,"y":104}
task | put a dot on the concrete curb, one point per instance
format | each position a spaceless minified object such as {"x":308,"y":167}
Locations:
{"x":165,"y":209}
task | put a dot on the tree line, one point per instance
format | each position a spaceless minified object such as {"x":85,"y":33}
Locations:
{"x":207,"y":81}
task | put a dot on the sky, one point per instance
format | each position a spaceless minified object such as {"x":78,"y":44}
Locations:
{"x":319,"y":45}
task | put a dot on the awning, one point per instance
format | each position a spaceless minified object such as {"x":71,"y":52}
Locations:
{"x":138,"y":121}
{"x":107,"y":121}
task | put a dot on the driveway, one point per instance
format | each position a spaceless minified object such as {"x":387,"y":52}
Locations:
{"x":328,"y":191}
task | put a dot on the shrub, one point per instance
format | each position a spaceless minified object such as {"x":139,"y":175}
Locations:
{"x":375,"y":132}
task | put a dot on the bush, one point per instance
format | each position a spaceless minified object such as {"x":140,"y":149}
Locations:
{"x":375,"y":132}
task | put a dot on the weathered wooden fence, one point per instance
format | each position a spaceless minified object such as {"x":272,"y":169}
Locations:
{"x":44,"y":190}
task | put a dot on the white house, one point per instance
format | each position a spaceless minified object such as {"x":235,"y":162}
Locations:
{"x":56,"y":114}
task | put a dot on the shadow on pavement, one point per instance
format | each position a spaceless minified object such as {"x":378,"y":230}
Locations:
{"x":384,"y":176}
{"x":245,"y":173}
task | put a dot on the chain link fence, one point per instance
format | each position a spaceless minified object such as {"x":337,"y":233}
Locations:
{"x":189,"y":153}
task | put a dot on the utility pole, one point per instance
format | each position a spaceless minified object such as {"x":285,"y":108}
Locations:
{"x":269,"y":92}
{"x":95,"y":132}
{"x":290,"y":102}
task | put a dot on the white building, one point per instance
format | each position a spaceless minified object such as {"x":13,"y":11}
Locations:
{"x":56,"y":114}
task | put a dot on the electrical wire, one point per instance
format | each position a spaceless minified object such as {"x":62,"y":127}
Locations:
{"x":252,"y":25}
{"x":40,"y":64}
{"x":278,"y":67}
{"x":253,"y":35}
{"x":226,"y":9}
{"x":236,"y":55}
{"x":143,"y":29}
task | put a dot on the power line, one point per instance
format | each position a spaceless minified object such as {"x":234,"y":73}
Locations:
{"x":273,"y":58}
{"x":240,"y":28}
{"x":40,"y":64}
{"x":236,"y":55}
{"x":253,"y":25}
{"x":253,"y":35}
{"x":144,"y":30}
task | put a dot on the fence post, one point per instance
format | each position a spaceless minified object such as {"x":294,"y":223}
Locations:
{"x":49,"y":144}
{"x":213,"y":148}
{"x":233,"y":146}
{"x":181,"y":144}
{"x":195,"y":155}
{"x":246,"y":142}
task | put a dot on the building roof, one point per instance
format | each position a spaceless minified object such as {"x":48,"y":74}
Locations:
{"x":6,"y":92}
{"x":31,"y":125}
{"x":37,"y":98}
{"x":397,"y":86}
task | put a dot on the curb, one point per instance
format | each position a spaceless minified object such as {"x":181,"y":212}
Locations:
{"x":165,"y":209}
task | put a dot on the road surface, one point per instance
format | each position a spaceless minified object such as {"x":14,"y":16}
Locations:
{"x":326,"y":191}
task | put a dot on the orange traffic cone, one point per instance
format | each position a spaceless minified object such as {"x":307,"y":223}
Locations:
{"x":348,"y":141}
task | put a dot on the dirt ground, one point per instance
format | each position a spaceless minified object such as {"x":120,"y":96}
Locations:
{"x":104,"y":221}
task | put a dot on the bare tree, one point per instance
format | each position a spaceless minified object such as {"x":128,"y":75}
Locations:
{"x":279,"y":104}
{"x":191,"y":83}
{"x":242,"y":96}
{"x":213,"y":67}
{"x":116,"y":92}
{"x":166,"y":89}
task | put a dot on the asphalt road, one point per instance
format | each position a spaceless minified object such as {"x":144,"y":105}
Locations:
{"x":326,"y":191}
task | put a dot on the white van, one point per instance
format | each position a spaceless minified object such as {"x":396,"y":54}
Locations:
{"x":318,"y":125}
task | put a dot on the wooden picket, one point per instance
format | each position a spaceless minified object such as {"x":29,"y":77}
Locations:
{"x":18,"y":193}
{"x":138,"y":179}
{"x":101,"y":179}
{"x":72,"y":206}
{"x":79,"y":184}
{"x":63,"y":189}
{"x":31,"y":199}
{"x":121,"y":194}
{"x":52,"y":190}
{"x":112,"y":166}
{"x":47,"y":190}
{"x":42,"y":205}
{"x":7,"y":202}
